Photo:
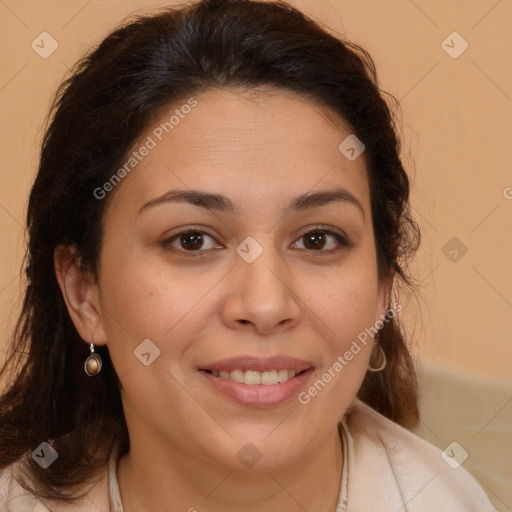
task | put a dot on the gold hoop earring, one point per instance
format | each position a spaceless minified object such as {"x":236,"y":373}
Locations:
{"x":381,"y":356}
{"x":93,"y":363}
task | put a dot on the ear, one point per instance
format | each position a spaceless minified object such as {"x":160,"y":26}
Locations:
{"x":80,"y":293}
{"x":384,"y":296}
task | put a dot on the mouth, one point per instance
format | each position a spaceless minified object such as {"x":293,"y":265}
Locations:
{"x":258,"y":383}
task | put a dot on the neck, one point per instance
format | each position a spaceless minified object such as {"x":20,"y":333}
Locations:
{"x":162,"y":479}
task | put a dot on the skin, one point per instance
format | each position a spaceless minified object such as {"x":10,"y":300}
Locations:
{"x":261,"y":149}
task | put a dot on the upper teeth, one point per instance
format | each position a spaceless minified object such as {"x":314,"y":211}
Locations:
{"x":253,"y":377}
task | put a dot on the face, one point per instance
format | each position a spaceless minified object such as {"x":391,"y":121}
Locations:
{"x":220,"y":255}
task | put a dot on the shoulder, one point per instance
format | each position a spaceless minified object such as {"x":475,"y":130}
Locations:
{"x":15,"y":498}
{"x":388,"y":460}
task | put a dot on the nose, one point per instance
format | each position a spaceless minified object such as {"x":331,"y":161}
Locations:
{"x":261,"y":296}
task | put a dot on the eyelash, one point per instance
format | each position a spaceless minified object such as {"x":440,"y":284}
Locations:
{"x":341,"y":241}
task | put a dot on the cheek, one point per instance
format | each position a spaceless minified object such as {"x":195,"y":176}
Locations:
{"x":149,"y":294}
{"x":345,"y":302}
{"x":144,"y":301}
{"x":344,"y":312}
{"x":343,"y":307}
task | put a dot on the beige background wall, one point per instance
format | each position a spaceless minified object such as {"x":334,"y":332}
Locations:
{"x":457,"y":132}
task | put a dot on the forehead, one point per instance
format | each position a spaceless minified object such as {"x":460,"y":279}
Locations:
{"x":264,"y":144}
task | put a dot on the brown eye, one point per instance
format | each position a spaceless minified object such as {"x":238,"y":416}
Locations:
{"x":323,"y":241}
{"x":314,"y":240}
{"x":190,"y":241}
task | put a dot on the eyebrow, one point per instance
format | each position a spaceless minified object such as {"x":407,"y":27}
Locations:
{"x":221,"y":203}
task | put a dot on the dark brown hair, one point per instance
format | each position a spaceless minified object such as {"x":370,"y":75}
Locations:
{"x":97,"y":116}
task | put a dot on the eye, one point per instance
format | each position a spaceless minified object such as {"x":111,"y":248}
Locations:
{"x":317,"y":239}
{"x":189,"y":241}
{"x":193,"y":242}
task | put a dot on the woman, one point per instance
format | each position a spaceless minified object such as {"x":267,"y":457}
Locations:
{"x":218,"y":221}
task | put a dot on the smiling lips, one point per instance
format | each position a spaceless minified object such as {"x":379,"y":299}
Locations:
{"x":258,"y":382}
